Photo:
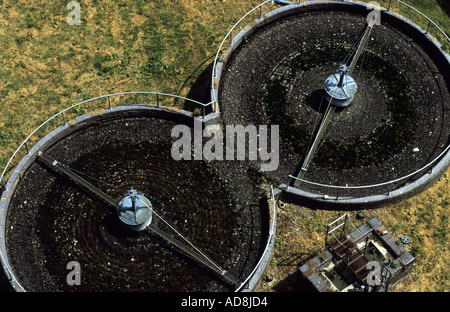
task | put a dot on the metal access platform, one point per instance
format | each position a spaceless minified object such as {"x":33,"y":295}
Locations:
{"x":365,"y":258}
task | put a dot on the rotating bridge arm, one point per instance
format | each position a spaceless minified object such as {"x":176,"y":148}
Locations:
{"x":197,"y":256}
{"x":72,"y":175}
{"x":360,"y":47}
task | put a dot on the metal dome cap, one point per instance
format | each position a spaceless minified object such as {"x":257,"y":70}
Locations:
{"x":135,"y":210}
{"x":340,"y":87}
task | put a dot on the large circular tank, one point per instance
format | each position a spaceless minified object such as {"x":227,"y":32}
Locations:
{"x":389,"y":143}
{"x":48,"y":220}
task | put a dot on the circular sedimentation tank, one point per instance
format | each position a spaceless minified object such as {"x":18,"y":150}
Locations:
{"x":50,"y":220}
{"x":389,"y":143}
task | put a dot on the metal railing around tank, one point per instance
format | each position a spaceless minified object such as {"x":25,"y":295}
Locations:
{"x":159,"y":101}
{"x":334,"y":189}
{"x":429,"y":21}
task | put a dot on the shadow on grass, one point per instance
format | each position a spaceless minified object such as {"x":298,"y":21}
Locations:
{"x":294,"y":282}
{"x":445,"y":5}
{"x":200,"y":89}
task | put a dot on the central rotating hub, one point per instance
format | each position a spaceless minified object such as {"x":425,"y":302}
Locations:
{"x":135,"y":211}
{"x":340,"y":88}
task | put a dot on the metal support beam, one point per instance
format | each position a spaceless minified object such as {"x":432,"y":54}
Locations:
{"x":76,"y":178}
{"x":361,"y":45}
{"x":194,"y":255}
{"x":345,"y":216}
{"x":331,"y":108}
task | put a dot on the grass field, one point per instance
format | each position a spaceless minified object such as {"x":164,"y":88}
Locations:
{"x":47,"y":65}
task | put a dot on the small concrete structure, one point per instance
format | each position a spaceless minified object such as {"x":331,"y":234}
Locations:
{"x":367,"y":259}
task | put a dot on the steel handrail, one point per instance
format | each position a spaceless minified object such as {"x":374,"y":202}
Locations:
{"x":230,"y":32}
{"x":214,"y":95}
{"x":61,"y":113}
{"x":430,"y":21}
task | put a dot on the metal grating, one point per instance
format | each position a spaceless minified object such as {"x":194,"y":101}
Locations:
{"x":355,"y":260}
